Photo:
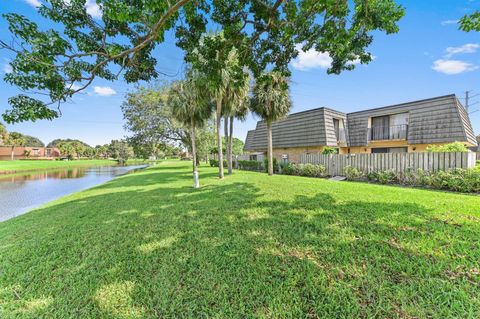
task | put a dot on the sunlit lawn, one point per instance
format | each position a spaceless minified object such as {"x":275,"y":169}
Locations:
{"x":147,"y":245}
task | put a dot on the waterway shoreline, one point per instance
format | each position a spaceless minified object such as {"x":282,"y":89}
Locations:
{"x":25,"y":166}
{"x":26,"y":191}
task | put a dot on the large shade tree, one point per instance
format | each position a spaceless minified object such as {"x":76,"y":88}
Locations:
{"x":120,"y":150}
{"x":33,"y":141}
{"x":3,"y":134}
{"x":70,"y":49}
{"x":152,"y":126}
{"x":271,"y":101}
{"x":190,"y":106}
{"x":149,"y":120}
{"x":470,"y":22}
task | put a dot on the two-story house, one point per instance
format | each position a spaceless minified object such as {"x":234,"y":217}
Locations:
{"x":406,"y":127}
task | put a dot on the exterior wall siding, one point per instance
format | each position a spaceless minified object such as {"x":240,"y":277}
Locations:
{"x":294,"y":153}
{"x":20,"y":152}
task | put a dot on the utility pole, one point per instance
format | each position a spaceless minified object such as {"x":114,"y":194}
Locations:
{"x":467,"y":93}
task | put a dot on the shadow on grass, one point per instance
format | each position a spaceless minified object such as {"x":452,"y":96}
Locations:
{"x":225,"y":250}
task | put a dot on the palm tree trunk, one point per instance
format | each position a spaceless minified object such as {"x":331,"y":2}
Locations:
{"x":196,"y":182}
{"x":219,"y":138}
{"x":12,"y":155}
{"x":227,"y":145}
{"x":230,"y":147}
{"x":270,"y":148}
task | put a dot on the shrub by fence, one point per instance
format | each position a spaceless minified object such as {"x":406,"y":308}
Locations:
{"x":310,"y":170}
{"x":458,"y":179}
{"x":249,"y":165}
{"x":398,"y":163}
{"x":465,"y":180}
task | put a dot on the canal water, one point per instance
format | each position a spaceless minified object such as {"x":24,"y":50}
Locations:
{"x":21,"y":193}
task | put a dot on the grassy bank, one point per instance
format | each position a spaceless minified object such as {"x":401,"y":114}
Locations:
{"x":7,"y":167}
{"x":147,"y":245}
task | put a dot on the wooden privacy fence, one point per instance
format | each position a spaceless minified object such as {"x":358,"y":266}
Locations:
{"x":396,"y":162}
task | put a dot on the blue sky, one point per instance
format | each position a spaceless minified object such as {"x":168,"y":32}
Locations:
{"x":428,"y":57}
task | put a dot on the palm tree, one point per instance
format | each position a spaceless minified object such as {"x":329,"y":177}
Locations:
{"x":218,"y":63}
{"x":237,"y":106}
{"x":271,"y":101}
{"x":14,"y":139}
{"x":191,"y":107}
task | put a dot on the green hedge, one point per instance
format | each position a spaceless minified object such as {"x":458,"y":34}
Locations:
{"x":458,"y":180}
{"x":276,"y":168}
{"x":309,"y":170}
{"x":214,"y":163}
{"x":250,"y":165}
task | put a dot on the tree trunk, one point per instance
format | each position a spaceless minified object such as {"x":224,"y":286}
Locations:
{"x":227,"y":145}
{"x":196,"y":182}
{"x":219,"y":138}
{"x":12,"y":155}
{"x":230,"y":147}
{"x":270,"y":148}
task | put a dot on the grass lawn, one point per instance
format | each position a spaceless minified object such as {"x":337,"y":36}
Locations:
{"x":31,"y":165}
{"x":147,"y":245}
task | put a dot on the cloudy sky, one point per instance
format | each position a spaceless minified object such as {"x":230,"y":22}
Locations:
{"x":428,"y":57}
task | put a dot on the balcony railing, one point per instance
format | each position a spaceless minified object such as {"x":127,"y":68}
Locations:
{"x":395,"y":132}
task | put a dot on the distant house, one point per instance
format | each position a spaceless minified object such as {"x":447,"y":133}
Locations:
{"x":21,"y":152}
{"x":406,"y":127}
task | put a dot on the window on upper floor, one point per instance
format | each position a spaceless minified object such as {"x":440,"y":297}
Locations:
{"x":389,"y":127}
{"x":339,"y":128}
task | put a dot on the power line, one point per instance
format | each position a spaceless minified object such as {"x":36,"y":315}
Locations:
{"x":95,"y":122}
{"x":468,"y":98}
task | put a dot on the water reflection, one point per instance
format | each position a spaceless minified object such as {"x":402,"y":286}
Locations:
{"x":23,"y":192}
{"x":71,"y":173}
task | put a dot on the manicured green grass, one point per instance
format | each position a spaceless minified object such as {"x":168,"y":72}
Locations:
{"x":147,"y":245}
{"x":31,"y":165}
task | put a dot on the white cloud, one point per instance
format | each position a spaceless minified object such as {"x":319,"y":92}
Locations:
{"x":104,"y":91}
{"x":73,"y":86}
{"x":452,"y":66}
{"x":93,"y":9}
{"x":7,"y":68}
{"x":466,"y":48}
{"x":91,"y":6}
{"x":447,"y":22}
{"x":313,"y":59}
{"x":34,"y":3}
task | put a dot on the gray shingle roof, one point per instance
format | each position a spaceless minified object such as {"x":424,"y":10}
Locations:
{"x":249,"y":140}
{"x":308,"y":128}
